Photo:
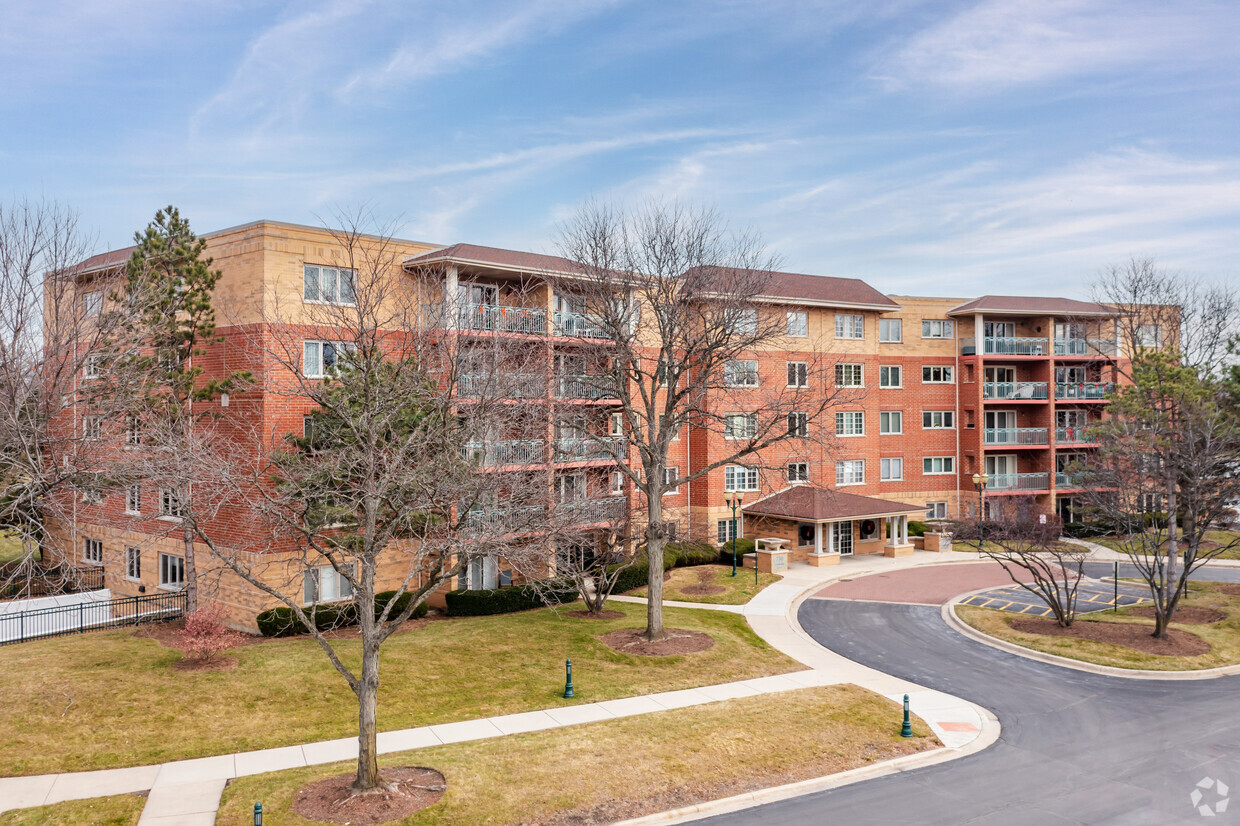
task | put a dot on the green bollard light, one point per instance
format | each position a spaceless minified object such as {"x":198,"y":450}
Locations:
{"x":258,"y":814}
{"x":906,"y":730}
{"x":568,"y":679}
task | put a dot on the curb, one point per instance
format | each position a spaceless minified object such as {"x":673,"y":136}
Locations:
{"x":948,"y":612}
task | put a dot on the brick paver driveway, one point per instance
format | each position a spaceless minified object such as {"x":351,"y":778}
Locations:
{"x":927,"y":585}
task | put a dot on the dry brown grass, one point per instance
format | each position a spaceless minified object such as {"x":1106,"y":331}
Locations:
{"x":737,"y":590}
{"x":120,"y":810}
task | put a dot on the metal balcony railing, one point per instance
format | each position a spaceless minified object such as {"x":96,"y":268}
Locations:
{"x":1084,"y":389}
{"x":1019,"y":481}
{"x":596,"y":449}
{"x":1074,"y":436}
{"x":505,"y":452}
{"x":1086,"y":347}
{"x":1006,"y":346}
{"x":499,"y":318}
{"x":583,"y":387}
{"x":499,"y":517}
{"x":606,"y":509}
{"x":514,"y":385}
{"x":1014,"y":390}
{"x":579,"y":325}
{"x":1016,"y":436}
{"x":1063,"y":480}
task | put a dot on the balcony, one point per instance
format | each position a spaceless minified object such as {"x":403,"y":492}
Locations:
{"x":1084,"y":390}
{"x":505,"y":452}
{"x":1075,"y":436}
{"x":597,"y":449}
{"x":500,"y":319}
{"x":1086,"y":347}
{"x":1014,"y":390}
{"x":515,"y":385}
{"x":1016,"y":436}
{"x":583,"y":387}
{"x":1063,"y":480}
{"x":1018,"y":481}
{"x":606,"y":509}
{"x":578,"y":325}
{"x":500,"y":517}
{"x":1006,"y":346}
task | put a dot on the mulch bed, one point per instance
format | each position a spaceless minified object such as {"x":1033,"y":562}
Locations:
{"x":1189,"y":615}
{"x":678,"y":641}
{"x":705,"y":586}
{"x":216,"y":663}
{"x":330,"y":800}
{"x":1232,"y":589}
{"x":1177,"y":644}
{"x":603,"y":615}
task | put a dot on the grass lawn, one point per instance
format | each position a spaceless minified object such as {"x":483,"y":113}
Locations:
{"x":121,"y":810}
{"x":1223,"y":636}
{"x":1213,"y":539}
{"x":110,"y":699}
{"x":738,"y":590}
{"x":616,"y":769}
{"x":10,"y":547}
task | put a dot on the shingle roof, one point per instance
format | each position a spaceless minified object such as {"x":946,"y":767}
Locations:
{"x":103,"y":261}
{"x":826,"y":289}
{"x":818,"y":504}
{"x":498,"y":258}
{"x":1030,"y":305}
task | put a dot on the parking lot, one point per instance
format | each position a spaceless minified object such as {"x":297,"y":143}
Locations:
{"x":1091,"y":597}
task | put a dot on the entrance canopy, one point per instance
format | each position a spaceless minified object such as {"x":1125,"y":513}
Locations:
{"x":805,"y":503}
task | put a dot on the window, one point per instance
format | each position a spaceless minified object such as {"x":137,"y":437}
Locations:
{"x":329,"y":285}
{"x":92,"y":551}
{"x":740,"y":425}
{"x":617,"y":482}
{"x":325,"y":584}
{"x":890,"y":422}
{"x":746,"y":322}
{"x":92,"y":428}
{"x":616,"y":427}
{"x":890,"y":329}
{"x":798,"y":471}
{"x":936,"y":510}
{"x":798,"y":323}
{"x":936,"y":375}
{"x":849,"y":375}
{"x":849,"y":326}
{"x":482,"y":574}
{"x":889,"y":376}
{"x":133,"y":431}
{"x":307,"y":427}
{"x":798,"y":425}
{"x":92,"y":491}
{"x":169,"y":505}
{"x":937,"y":419}
{"x":740,"y":478}
{"x":891,"y":470}
{"x":1149,"y":335}
{"x":798,"y":374}
{"x":851,"y":423}
{"x":133,"y":564}
{"x":171,"y":572}
{"x":726,"y":530}
{"x":93,"y":367}
{"x":850,"y":472}
{"x":938,"y":465}
{"x":936,"y":329}
{"x":92,"y":303}
{"x":321,"y":357}
{"x":670,"y":477}
{"x":133,"y":499}
{"x":741,"y":373}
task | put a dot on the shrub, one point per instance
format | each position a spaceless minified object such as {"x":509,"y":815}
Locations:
{"x":916,"y":528}
{"x":282,"y":622}
{"x":692,"y":553}
{"x":1085,"y":530}
{"x":744,"y":545}
{"x":637,"y":575}
{"x":205,"y":634}
{"x":384,"y":597}
{"x":463,"y":603}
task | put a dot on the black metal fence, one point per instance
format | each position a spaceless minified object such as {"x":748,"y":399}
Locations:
{"x":20,"y":582}
{"x":62,"y":620}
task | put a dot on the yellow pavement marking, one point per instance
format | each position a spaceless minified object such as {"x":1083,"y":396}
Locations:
{"x":987,"y":602}
{"x":1046,"y":612}
{"x":1026,"y":608}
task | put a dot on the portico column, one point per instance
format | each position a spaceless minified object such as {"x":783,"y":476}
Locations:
{"x":817,"y":537}
{"x":452,"y":297}
{"x":904,"y":530}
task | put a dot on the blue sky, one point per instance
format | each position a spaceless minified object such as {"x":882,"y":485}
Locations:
{"x":942,"y":148}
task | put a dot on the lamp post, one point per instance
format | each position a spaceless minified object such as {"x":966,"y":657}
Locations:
{"x":734,"y":502}
{"x":979,"y":482}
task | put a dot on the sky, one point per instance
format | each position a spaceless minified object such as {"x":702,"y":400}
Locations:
{"x":933,"y":148}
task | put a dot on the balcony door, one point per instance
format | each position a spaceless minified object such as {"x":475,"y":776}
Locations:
{"x":1067,"y":330}
{"x":1000,"y":419}
{"x":1070,"y":375}
{"x":479,"y":295}
{"x":999,"y":329}
{"x":570,"y":487}
{"x":569,"y":303}
{"x":1001,"y":469}
{"x":1005,"y":375}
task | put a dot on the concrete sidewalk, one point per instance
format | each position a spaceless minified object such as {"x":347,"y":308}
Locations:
{"x":188,"y":792}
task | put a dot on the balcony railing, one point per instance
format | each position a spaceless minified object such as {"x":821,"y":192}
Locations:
{"x":579,"y":325}
{"x":1084,"y":389}
{"x":500,"y":517}
{"x":1006,"y":346}
{"x":583,"y":387}
{"x":595,"y":449}
{"x":505,"y":452}
{"x":1086,"y":347}
{"x":1014,"y":390}
{"x":606,"y":509}
{"x":1063,"y":480}
{"x":499,"y":318}
{"x":1016,"y":436}
{"x":1019,"y":481}
{"x":1074,"y":436}
{"x":514,"y":385}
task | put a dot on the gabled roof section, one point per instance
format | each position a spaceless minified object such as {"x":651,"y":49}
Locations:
{"x":802,"y":288}
{"x":103,"y":261}
{"x":1031,"y":305}
{"x":496,"y":258}
{"x":811,"y":504}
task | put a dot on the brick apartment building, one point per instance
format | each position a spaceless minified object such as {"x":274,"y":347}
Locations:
{"x":942,"y":388}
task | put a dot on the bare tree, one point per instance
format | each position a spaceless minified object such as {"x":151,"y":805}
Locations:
{"x":666,"y":308}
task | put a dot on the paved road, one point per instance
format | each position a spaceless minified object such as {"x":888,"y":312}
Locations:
{"x":1076,"y":747}
{"x":1090,"y":597}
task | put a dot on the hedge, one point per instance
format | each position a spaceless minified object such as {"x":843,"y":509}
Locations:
{"x":637,"y":575}
{"x":744,"y":545}
{"x":384,"y":597}
{"x":692,"y":553}
{"x":1085,"y":530}
{"x":916,"y":528}
{"x":282,"y":622}
{"x":463,"y":603}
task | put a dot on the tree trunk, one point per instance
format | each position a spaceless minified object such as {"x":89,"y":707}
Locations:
{"x":191,"y":570}
{"x":656,"y":539}
{"x":368,"y":778}
{"x":1170,"y":582}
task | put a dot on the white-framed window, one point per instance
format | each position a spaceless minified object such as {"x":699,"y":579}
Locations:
{"x":891,"y":330}
{"x":328,"y":285}
{"x":798,"y":424}
{"x":171,"y":572}
{"x":617,"y":482}
{"x":671,"y":476}
{"x":133,"y":431}
{"x":745,"y":322}
{"x":798,"y":471}
{"x":890,"y":375}
{"x":936,"y":374}
{"x":725,"y":530}
{"x":741,"y":373}
{"x":891,"y":470}
{"x":850,"y":375}
{"x":938,"y":465}
{"x":798,"y":324}
{"x":92,"y":368}
{"x":320,"y":358}
{"x":936,"y":510}
{"x":850,"y":423}
{"x":133,"y":564}
{"x":92,"y":428}
{"x":890,"y":422}
{"x":92,"y":489}
{"x":848,"y":325}
{"x":616,"y":425}
{"x":92,"y":303}
{"x":1149,"y":335}
{"x":938,"y":419}
{"x":933,"y":328}
{"x":169,"y":504}
{"x":92,"y":550}
{"x":740,"y":425}
{"x":850,"y":472}
{"x":324,"y":584}
{"x":133,"y":499}
{"x":798,"y":374}
{"x":740,"y":478}
{"x":307,"y":427}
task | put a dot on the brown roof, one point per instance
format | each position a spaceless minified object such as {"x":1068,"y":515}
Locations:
{"x":1030,"y":305}
{"x":103,"y":261}
{"x":826,"y":289}
{"x":818,"y":504}
{"x":497,"y":258}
